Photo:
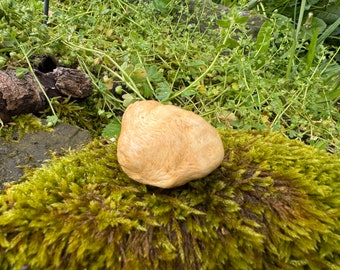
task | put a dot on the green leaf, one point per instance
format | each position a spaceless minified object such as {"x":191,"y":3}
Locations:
{"x":128,"y":99}
{"x":146,"y":90}
{"x":20,"y":72}
{"x":112,"y":129}
{"x":241,"y":19}
{"x":223,"y":23}
{"x":263,"y":39}
{"x":231,"y":43}
{"x":332,"y":95}
{"x":52,"y":120}
{"x":197,"y":63}
{"x":330,"y":29}
{"x":153,"y":74}
{"x":189,"y":92}
{"x":312,"y":48}
{"x":163,"y":91}
{"x":330,"y":15}
{"x":161,"y":5}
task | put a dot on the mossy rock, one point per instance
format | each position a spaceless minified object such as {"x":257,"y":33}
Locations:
{"x":273,"y":204}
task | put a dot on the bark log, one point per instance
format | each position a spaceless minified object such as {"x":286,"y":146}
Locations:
{"x":23,"y":95}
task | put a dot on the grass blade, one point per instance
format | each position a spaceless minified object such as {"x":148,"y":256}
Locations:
{"x":328,"y":31}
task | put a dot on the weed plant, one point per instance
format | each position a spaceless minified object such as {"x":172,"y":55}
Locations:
{"x":283,"y":79}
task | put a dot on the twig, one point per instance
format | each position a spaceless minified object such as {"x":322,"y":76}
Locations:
{"x":46,"y":8}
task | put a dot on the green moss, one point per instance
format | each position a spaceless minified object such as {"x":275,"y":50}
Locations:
{"x":273,"y":204}
{"x":21,"y":125}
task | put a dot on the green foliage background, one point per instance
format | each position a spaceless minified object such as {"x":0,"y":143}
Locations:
{"x":274,"y":202}
{"x":181,"y":52}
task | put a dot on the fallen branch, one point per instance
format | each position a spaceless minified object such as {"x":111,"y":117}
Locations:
{"x":23,"y":95}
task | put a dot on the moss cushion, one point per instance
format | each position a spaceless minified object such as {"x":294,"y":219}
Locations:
{"x":274,"y":203}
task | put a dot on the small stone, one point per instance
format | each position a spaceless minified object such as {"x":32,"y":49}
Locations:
{"x":166,"y":146}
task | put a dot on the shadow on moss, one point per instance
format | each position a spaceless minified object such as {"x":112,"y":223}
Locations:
{"x":273,"y":204}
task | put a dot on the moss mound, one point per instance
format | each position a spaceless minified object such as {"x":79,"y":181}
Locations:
{"x":273,"y":204}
